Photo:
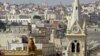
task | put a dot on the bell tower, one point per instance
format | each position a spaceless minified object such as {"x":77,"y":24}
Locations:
{"x":76,"y":32}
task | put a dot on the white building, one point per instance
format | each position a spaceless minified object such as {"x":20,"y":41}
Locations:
{"x":18,"y":18}
{"x":88,"y":8}
{"x":49,"y":14}
{"x":17,"y":46}
{"x":6,"y":38}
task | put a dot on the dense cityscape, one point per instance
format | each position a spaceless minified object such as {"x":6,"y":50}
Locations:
{"x":43,"y":30}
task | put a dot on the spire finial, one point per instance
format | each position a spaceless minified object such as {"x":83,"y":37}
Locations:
{"x":75,"y":14}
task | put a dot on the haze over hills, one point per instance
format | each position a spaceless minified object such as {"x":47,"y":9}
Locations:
{"x":50,"y":2}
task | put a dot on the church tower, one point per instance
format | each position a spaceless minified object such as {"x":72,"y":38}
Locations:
{"x":76,"y":32}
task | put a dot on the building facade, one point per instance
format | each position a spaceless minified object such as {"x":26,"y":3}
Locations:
{"x":76,"y":33}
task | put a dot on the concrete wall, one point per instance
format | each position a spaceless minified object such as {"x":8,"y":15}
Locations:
{"x":13,"y":53}
{"x":6,"y":38}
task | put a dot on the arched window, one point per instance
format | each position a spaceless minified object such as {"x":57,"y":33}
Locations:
{"x":75,"y":46}
{"x":78,"y":47}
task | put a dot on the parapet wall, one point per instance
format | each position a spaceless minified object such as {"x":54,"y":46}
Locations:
{"x":13,"y":52}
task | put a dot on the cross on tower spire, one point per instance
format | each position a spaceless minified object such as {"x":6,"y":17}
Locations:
{"x":76,"y":14}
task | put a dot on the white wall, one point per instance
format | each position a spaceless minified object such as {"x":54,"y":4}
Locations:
{"x":6,"y":38}
{"x":13,"y":46}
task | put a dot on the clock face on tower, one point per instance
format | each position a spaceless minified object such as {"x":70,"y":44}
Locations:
{"x":75,"y":29}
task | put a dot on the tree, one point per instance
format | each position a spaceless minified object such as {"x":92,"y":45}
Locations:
{"x":37,"y":17}
{"x":61,"y":31}
{"x":14,"y":24}
{"x":2,"y":25}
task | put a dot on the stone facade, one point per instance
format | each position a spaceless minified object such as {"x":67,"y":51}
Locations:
{"x":76,"y":33}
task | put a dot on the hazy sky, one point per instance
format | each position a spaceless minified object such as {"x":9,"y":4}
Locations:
{"x":50,"y":2}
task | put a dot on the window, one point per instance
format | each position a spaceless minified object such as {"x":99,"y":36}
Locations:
{"x":63,"y":53}
{"x":75,"y":40}
{"x":75,"y":46}
{"x":65,"y":47}
{"x":78,"y":47}
{"x":76,"y":8}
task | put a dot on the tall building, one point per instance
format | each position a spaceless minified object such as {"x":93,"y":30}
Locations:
{"x":76,"y":32}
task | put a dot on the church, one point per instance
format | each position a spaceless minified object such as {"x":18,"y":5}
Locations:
{"x":76,"y":32}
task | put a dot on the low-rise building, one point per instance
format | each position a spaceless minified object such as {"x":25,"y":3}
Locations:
{"x":7,"y":38}
{"x":23,"y":19}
